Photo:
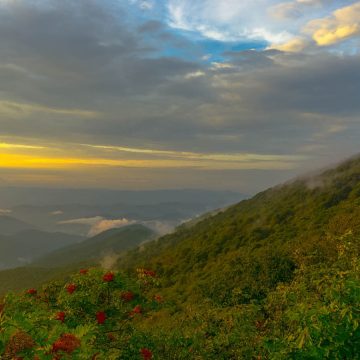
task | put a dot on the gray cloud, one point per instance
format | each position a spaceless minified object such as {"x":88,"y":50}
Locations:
{"x":117,"y":86}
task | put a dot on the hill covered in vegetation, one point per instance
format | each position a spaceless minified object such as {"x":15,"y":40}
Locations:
{"x":273,"y":277}
{"x":243,"y":253}
{"x":106,"y":243}
{"x":103,"y":248}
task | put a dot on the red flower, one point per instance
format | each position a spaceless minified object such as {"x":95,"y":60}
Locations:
{"x":101,"y":317}
{"x":60,"y":316}
{"x":71,"y":288}
{"x":150,"y":273}
{"x":127,"y":296}
{"x":83,"y":271}
{"x":158,"y":298}
{"x":31,"y":292}
{"x":136,"y":310}
{"x":145,"y":273}
{"x":146,"y":354}
{"x":108,"y":277}
{"x":67,"y":343}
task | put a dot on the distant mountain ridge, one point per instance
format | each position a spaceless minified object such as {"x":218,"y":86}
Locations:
{"x":14,"y":196}
{"x":10,"y":225}
{"x":23,"y":247}
{"x":107,"y":243}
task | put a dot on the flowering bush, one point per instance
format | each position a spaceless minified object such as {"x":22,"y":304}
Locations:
{"x":92,"y":316}
{"x":70,"y":288}
{"x":109,"y":276}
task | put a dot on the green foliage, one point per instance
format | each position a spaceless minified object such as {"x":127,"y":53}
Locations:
{"x":91,"y":316}
{"x":317,"y":316}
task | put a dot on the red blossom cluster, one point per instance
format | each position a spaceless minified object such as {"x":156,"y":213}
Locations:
{"x":67,"y":343}
{"x":100,"y":317}
{"x":70,"y":288}
{"x":127,"y":296}
{"x":136,"y":310}
{"x":60,"y":316}
{"x":158,"y":298}
{"x":31,"y":292}
{"x":146,"y":272}
{"x":146,"y":354}
{"x":109,"y":276}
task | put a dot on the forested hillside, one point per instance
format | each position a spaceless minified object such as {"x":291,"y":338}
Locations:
{"x":244,"y":252}
{"x":109,"y":242}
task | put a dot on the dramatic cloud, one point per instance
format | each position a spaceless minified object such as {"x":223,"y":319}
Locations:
{"x":343,"y":23}
{"x":109,"y":94}
{"x":227,"y":20}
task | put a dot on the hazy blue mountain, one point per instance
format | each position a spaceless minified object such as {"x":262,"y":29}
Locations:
{"x":21,"y":248}
{"x":14,"y":196}
{"x":54,"y":210}
{"x":10,"y":225}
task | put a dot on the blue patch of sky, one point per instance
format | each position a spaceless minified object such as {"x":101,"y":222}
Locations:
{"x":191,"y":46}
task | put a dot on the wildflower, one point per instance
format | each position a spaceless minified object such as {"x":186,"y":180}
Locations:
{"x":67,"y":343}
{"x":71,"y":288}
{"x":127,"y":296}
{"x":100,"y":317}
{"x":60,"y":316}
{"x":145,"y":273}
{"x":150,"y":273}
{"x":108,"y":277}
{"x":158,"y":298}
{"x":83,"y":271}
{"x":146,"y":354}
{"x":31,"y":292}
{"x":136,"y":310}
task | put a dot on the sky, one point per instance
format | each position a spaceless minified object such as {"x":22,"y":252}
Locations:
{"x":145,"y":94}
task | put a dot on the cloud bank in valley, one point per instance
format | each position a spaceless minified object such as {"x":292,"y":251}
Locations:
{"x":98,"y":224}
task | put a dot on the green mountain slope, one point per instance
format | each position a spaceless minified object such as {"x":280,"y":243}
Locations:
{"x":107,"y":243}
{"x":244,"y":252}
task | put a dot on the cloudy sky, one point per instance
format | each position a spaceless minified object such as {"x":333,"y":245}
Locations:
{"x":145,"y":94}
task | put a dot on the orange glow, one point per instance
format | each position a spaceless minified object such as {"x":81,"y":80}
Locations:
{"x":21,"y":161}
